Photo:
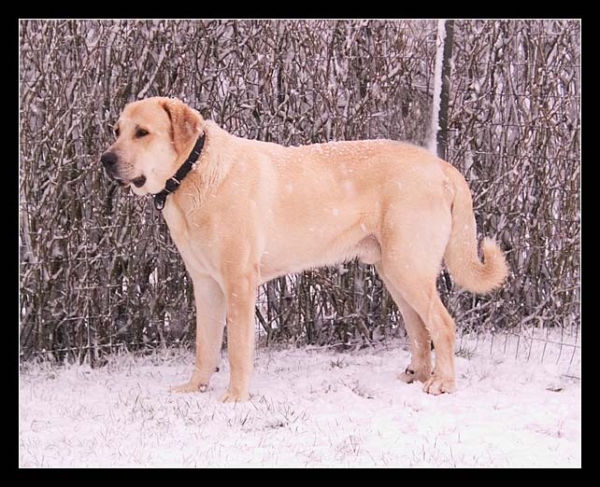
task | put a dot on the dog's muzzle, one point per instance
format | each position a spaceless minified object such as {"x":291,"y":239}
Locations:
{"x":109,"y":160}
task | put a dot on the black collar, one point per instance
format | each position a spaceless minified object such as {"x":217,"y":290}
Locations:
{"x":173,"y":183}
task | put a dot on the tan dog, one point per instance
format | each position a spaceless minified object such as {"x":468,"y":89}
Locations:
{"x":250,"y":211}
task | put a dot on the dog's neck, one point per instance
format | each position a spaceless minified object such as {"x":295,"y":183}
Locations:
{"x":173,"y":183}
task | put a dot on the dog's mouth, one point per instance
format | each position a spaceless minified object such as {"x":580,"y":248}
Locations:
{"x":121,"y":182}
{"x":137,"y":182}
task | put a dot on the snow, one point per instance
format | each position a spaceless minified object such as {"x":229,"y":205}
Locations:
{"x":310,"y":407}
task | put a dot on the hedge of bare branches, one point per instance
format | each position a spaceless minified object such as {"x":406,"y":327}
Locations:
{"x":98,"y":269}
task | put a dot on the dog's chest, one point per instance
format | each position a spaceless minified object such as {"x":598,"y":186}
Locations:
{"x":194,"y":250}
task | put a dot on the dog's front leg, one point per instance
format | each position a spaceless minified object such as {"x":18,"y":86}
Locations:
{"x":210,"y":321}
{"x":241,"y":298}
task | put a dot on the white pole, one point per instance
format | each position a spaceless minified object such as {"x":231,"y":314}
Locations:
{"x":437,"y":87}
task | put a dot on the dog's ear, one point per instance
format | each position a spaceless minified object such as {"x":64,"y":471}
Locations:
{"x":185,"y":123}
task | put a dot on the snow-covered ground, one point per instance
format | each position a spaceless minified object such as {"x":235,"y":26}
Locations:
{"x":310,"y":408}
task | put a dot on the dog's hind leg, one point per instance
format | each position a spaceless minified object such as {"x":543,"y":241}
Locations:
{"x":418,"y":336}
{"x":410,"y":263}
{"x":426,"y":319}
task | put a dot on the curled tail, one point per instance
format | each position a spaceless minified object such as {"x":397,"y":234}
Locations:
{"x":461,"y":254}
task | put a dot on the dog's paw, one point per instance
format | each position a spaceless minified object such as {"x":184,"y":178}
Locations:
{"x":438,"y":385}
{"x":230,"y":396}
{"x":410,"y":375}
{"x":189,"y":387}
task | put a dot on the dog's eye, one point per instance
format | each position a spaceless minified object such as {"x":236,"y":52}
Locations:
{"x":117,"y":132}
{"x":139,"y":133}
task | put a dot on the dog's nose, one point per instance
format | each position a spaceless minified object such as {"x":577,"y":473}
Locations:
{"x":109,"y":159}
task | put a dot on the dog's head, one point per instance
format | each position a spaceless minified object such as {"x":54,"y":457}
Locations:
{"x":154,"y":137}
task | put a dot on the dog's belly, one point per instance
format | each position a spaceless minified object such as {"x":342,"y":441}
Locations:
{"x":319,"y":252}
